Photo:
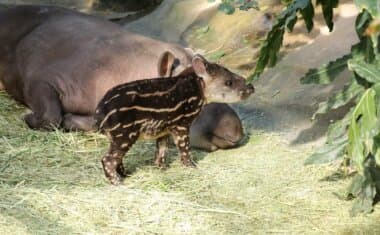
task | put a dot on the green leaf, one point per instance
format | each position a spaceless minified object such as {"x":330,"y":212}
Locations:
{"x":328,"y":152}
{"x":327,"y":8}
{"x":370,"y":72}
{"x":361,"y":24}
{"x":364,"y":187}
{"x":308,"y":15}
{"x":274,"y":38}
{"x":246,"y":5}
{"x":372,"y":6}
{"x":362,"y":129}
{"x":327,"y":73}
{"x":339,"y":128}
{"x":336,"y":143}
{"x":226,"y":8}
{"x":376,"y":149}
{"x":290,"y":22}
{"x":364,"y":201}
{"x":340,"y":99}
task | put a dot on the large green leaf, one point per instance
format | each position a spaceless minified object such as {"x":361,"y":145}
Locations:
{"x":326,"y":73}
{"x":229,"y":6}
{"x":308,"y":15}
{"x":362,"y":129}
{"x":339,"y":128}
{"x":364,"y":187}
{"x":340,"y":99}
{"x":362,"y":21}
{"x":328,"y":152}
{"x":364,"y":190}
{"x":370,"y":72}
{"x":372,"y":6}
{"x":327,"y":8}
{"x":336,"y":143}
{"x":273,"y":41}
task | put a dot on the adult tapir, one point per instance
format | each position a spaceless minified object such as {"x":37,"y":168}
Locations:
{"x":60,"y":63}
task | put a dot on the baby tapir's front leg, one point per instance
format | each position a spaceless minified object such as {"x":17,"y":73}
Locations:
{"x":181,"y":139}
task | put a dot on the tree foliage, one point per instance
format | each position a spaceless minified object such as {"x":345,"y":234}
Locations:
{"x":356,"y":137}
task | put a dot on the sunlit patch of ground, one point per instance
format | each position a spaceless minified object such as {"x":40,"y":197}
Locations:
{"x":52,"y":183}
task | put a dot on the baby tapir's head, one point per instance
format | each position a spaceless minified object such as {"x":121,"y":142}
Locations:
{"x":220,"y":84}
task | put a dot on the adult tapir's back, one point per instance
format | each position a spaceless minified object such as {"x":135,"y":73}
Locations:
{"x":73,"y":50}
{"x":15,"y":24}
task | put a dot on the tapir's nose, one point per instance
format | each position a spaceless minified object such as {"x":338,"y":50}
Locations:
{"x":250,"y":89}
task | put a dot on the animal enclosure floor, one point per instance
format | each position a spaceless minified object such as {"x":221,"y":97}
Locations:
{"x":52,"y":183}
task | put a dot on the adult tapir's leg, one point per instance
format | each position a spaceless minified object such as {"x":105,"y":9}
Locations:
{"x":72,"y":122}
{"x":45,"y":104}
{"x":202,"y":141}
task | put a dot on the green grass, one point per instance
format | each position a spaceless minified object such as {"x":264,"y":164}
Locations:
{"x":52,"y":183}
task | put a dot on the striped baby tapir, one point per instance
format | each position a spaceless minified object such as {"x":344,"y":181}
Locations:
{"x":160,"y":108}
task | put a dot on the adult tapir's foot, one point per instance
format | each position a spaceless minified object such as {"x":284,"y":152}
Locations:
{"x":73,"y":122}
{"x":36,"y":122}
{"x":45,"y":104}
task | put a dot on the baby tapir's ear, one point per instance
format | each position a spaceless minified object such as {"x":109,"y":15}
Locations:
{"x":200,"y":66}
{"x":166,"y":64}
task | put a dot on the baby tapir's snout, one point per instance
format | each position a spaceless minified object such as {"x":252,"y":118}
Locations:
{"x":221,"y":85}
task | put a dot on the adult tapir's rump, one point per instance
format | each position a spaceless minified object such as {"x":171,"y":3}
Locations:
{"x":60,"y":62}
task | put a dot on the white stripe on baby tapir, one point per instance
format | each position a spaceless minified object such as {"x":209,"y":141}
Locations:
{"x":135,"y":122}
{"x":184,"y":115}
{"x":161,"y":110}
{"x":158,"y":124}
{"x":114,"y":128}
{"x":151,"y":124}
{"x":192,"y":98}
{"x":131,"y":135}
{"x":181,"y":128}
{"x":125,"y":145}
{"x":107,"y":116}
{"x":157,"y":93}
{"x":110,"y":99}
{"x":182,"y":144}
{"x":146,"y":94}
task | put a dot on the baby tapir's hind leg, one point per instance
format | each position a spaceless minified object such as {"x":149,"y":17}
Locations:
{"x":161,"y":149}
{"x":113,"y":162}
{"x":113,"y":165}
{"x":45,"y":104}
{"x":181,"y":140}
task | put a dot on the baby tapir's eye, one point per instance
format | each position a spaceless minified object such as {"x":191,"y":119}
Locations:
{"x":228,"y":83}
